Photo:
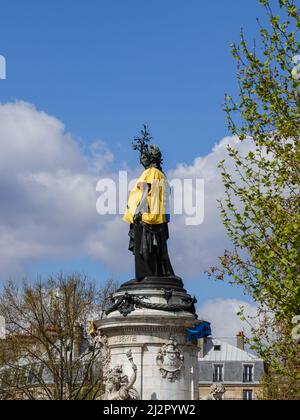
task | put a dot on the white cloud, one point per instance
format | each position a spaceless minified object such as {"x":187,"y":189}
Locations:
{"x":196,"y":248}
{"x":48,"y":192}
{"x":222,"y":313}
{"x":48,"y":199}
{"x":35,"y":141}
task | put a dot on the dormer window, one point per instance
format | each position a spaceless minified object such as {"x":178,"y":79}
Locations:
{"x":248,"y":375}
{"x":217,"y":348}
{"x":218,"y":373}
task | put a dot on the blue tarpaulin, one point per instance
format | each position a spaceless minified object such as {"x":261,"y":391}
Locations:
{"x":200,"y":331}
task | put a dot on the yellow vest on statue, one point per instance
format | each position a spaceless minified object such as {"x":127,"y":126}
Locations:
{"x":157,"y":198}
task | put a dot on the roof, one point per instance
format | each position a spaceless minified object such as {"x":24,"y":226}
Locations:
{"x":228,"y":352}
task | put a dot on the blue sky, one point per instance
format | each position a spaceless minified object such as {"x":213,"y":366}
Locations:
{"x":104,"y":68}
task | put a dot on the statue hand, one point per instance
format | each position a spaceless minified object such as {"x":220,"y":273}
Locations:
{"x":137,"y":218}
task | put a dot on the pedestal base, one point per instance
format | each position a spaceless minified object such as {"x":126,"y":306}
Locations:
{"x":153,"y":327}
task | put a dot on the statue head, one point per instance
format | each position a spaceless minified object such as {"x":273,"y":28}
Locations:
{"x":113,"y":379}
{"x":156,"y":156}
{"x":218,"y":390}
{"x":145,"y":160}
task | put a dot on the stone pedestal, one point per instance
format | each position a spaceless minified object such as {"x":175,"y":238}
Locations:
{"x":150,"y":318}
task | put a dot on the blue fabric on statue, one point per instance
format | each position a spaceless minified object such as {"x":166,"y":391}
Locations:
{"x":200,"y":331}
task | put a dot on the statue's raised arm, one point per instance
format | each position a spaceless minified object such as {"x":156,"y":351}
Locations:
{"x":134,"y":368}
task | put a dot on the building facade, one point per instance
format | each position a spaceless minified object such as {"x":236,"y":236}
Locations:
{"x":237,"y":370}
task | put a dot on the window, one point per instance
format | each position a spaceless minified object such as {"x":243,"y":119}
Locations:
{"x":247,"y":395}
{"x":218,"y":373}
{"x":248,"y":373}
{"x":217,"y":348}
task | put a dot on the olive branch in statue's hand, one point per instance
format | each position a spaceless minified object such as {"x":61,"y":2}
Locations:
{"x":141,"y":143}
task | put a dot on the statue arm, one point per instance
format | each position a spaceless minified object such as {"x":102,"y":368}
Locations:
{"x":134,"y":368}
{"x":133,"y":377}
{"x":143,"y":206}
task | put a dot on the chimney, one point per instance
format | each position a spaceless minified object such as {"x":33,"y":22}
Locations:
{"x":240,"y":340}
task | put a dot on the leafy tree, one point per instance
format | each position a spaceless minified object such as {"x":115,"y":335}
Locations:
{"x":47,"y":352}
{"x":260,"y":209}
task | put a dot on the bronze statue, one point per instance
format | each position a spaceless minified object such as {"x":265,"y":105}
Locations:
{"x":147,"y":214}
